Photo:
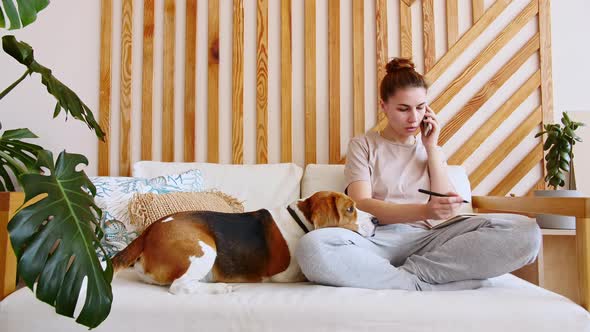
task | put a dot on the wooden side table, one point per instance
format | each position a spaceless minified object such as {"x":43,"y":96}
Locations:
{"x":556,"y":267}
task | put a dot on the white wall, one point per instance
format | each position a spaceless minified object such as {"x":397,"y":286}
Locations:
{"x":571,"y":75}
{"x":66,"y":38}
{"x":571,"y":45}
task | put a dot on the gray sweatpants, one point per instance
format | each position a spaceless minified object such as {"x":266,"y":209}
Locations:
{"x":401,"y":256}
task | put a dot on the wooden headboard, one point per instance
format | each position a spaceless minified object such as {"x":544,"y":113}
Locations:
{"x":292,"y":81}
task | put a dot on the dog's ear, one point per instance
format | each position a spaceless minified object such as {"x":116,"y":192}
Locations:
{"x":305,"y":207}
{"x":336,"y":200}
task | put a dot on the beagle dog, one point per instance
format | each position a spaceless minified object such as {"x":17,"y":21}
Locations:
{"x":202,"y":251}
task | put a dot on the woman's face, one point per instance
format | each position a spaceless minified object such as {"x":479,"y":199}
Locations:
{"x":405,"y":110}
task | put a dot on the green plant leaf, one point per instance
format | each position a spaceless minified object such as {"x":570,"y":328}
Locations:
{"x":66,"y":98}
{"x":55,"y":241}
{"x":564,"y":145}
{"x":554,"y":182}
{"x":40,"y":4}
{"x":25,"y":15}
{"x":548,"y":143}
{"x":17,"y":156}
{"x":565,"y":119}
{"x":12,"y":14}
{"x":2,"y":20}
{"x":564,"y":165}
{"x":565,"y":156}
{"x":540,"y":133}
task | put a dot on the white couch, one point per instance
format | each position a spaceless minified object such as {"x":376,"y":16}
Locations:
{"x":273,"y":185}
{"x":509,"y":304}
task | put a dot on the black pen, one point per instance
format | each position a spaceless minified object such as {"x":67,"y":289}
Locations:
{"x":432,"y":193}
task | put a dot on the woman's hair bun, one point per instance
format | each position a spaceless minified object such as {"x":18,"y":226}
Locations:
{"x":396,"y":64}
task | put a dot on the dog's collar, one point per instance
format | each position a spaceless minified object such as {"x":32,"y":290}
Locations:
{"x":297,"y":219}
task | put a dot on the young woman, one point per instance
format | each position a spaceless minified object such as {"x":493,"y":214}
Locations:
{"x":384,"y":171}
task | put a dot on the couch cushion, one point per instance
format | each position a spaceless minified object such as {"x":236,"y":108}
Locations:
{"x":113,"y":194}
{"x":257,"y":186}
{"x":331,"y":177}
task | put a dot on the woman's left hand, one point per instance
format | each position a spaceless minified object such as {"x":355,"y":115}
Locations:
{"x":431,"y":140}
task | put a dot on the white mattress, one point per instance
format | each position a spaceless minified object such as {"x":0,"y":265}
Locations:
{"x":510,"y":304}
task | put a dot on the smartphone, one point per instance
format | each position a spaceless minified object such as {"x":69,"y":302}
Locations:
{"x":425,"y":127}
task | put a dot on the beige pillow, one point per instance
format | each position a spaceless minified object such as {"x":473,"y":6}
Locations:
{"x":144,"y":209}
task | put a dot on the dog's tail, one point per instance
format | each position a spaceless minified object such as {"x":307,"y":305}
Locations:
{"x":126,"y":257}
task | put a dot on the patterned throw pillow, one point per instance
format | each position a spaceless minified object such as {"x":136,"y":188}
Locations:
{"x":113,"y":195}
{"x":144,"y":209}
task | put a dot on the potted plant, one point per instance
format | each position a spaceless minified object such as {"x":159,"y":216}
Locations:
{"x":55,"y":239}
{"x":559,"y":165}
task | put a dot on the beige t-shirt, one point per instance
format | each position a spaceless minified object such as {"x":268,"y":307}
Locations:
{"x":395,"y":171}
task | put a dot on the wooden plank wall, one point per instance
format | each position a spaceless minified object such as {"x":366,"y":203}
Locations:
{"x":436,"y":65}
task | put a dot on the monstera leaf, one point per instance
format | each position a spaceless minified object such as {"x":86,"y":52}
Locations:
{"x":55,"y":239}
{"x":66,"y":98}
{"x":25,"y":15}
{"x":16,"y":155}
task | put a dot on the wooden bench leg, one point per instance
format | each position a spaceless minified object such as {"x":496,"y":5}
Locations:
{"x":582,"y":245}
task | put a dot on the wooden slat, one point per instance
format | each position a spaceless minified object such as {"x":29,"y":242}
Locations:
{"x":495,"y":120}
{"x":381,"y":45}
{"x":452,"y":22}
{"x":454,"y":52}
{"x":125,"y":100}
{"x":488,"y":90}
{"x":310,"y":82}
{"x":147,"y":79}
{"x":334,"y":78}
{"x":405,"y":32}
{"x":504,"y":148}
{"x":262,"y":82}
{"x":428,"y":34}
{"x":168,"y":81}
{"x":238,"y":84}
{"x":9,"y":203}
{"x":519,"y":171}
{"x":408,"y":2}
{"x":213,"y":84}
{"x":190,"y":66}
{"x":539,"y":185}
{"x":286,"y":83}
{"x":465,"y":41}
{"x":477,"y":10}
{"x":358,"y":69}
{"x":104,"y":100}
{"x":545,"y":64}
{"x":485,"y":56}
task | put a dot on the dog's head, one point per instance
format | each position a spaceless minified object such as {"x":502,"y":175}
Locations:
{"x":333,"y":209}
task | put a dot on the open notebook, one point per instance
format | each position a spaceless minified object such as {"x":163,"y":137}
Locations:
{"x":440,"y":223}
{"x":445,"y":222}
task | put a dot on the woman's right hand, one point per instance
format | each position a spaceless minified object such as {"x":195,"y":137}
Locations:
{"x":443,"y":207}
